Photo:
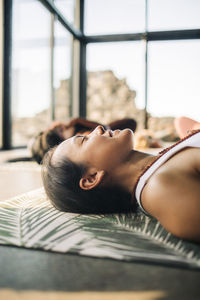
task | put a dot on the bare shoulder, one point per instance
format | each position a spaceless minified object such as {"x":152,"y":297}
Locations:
{"x":179,"y":174}
{"x":172,"y":194}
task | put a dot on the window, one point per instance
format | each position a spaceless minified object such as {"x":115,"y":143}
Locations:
{"x":111,"y":16}
{"x":30,"y":70}
{"x":174,"y":73}
{"x":1,"y":67}
{"x":49,"y":62}
{"x":115,"y":80}
{"x":62,"y":73}
{"x":173,"y":14}
{"x":67,"y":9}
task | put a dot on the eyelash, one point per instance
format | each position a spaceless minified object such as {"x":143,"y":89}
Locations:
{"x":84,"y":139}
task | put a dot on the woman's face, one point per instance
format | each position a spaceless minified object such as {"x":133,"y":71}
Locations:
{"x":102,"y":149}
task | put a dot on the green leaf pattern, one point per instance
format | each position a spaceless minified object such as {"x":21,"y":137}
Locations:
{"x":30,"y":221}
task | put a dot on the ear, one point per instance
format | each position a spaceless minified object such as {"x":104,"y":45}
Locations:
{"x":91,"y":179}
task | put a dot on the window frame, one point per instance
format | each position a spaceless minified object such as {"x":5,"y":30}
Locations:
{"x":80,"y":42}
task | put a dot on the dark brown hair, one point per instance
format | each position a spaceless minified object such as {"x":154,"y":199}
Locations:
{"x":42,"y":142}
{"x":61,"y":183}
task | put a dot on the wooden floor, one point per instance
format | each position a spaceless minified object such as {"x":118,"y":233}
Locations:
{"x":14,"y":181}
{"x":17,"y":180}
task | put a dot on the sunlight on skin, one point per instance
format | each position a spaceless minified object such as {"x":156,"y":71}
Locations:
{"x":51,"y":295}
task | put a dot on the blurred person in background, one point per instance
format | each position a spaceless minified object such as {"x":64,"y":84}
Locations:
{"x":60,"y":131}
{"x":184,"y":125}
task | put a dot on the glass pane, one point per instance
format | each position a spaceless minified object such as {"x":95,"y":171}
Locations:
{"x":174,"y":76}
{"x":115,"y":81}
{"x":30,"y":70}
{"x":67,"y":8}
{"x":62,"y":73}
{"x":173,"y":14}
{"x":114,"y":16}
{"x":1,"y":68}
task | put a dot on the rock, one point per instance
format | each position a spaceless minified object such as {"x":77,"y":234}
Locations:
{"x":108,"y":98}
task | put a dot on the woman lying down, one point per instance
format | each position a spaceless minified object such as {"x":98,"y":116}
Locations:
{"x":102,"y":173}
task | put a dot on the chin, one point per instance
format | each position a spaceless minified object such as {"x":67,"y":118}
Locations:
{"x":128,"y":136}
{"x":128,"y":132}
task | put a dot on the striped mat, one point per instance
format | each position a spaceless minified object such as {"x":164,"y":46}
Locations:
{"x":30,"y":221}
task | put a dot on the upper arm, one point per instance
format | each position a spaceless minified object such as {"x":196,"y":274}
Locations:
{"x":196,"y":159}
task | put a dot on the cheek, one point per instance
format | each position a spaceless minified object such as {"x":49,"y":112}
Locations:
{"x":105,"y":156}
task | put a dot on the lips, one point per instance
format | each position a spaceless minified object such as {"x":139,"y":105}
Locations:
{"x":110,"y":133}
{"x":113,"y":133}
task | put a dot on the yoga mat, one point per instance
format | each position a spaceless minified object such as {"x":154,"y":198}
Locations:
{"x":30,"y":221}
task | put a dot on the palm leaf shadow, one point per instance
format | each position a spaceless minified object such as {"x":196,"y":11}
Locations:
{"x":30,"y":221}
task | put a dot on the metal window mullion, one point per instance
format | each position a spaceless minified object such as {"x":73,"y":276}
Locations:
{"x":53,"y":9}
{"x":82,"y":68}
{"x":146,"y":67}
{"x":82,"y":82}
{"x":71,"y":79}
{"x":146,"y":86}
{"x":52,"y":57}
{"x":173,"y":35}
{"x":148,"y":35}
{"x":114,"y":37}
{"x":7,"y":72}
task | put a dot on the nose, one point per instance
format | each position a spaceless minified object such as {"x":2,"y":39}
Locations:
{"x":99,"y":130}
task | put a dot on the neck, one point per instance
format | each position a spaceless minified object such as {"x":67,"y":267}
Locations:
{"x":132,"y":168}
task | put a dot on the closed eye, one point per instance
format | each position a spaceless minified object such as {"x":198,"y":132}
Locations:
{"x":81,"y":138}
{"x":78,"y":138}
{"x":84,"y":139}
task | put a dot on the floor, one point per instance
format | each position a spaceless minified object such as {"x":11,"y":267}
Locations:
{"x":14,"y":182}
{"x":30,"y":274}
